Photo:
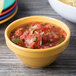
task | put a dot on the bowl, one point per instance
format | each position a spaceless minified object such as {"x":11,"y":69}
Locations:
{"x":66,"y":11}
{"x":37,"y":58}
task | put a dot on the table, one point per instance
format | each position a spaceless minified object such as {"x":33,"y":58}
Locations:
{"x":10,"y":65}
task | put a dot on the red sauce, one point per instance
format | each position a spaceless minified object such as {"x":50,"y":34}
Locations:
{"x":37,"y":35}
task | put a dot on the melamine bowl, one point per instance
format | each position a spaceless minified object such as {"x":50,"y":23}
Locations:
{"x":37,"y":58}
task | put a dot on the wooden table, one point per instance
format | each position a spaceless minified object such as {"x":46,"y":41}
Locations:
{"x":10,"y":65}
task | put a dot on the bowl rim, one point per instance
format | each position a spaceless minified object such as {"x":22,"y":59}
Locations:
{"x":66,"y":4}
{"x":37,"y":50}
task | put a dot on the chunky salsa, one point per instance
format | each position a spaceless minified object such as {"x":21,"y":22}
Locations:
{"x":38,"y":35}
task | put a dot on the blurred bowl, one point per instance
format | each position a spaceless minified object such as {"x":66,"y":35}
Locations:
{"x":66,"y":11}
{"x":37,"y":58}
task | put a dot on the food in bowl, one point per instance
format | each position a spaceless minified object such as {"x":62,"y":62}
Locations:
{"x":38,"y":35}
{"x":37,"y":58}
{"x":69,"y":2}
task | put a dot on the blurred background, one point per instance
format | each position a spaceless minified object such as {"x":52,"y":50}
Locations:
{"x":65,"y":65}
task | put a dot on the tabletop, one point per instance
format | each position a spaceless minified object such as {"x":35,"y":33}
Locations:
{"x":10,"y":65}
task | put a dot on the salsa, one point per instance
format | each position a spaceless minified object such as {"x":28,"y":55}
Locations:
{"x":38,"y":35}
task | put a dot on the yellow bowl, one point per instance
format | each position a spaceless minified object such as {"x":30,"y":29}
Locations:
{"x":37,"y":58}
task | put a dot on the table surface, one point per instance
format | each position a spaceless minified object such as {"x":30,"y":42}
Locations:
{"x":10,"y":65}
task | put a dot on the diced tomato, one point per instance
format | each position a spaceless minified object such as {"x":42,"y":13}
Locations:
{"x":21,"y":44}
{"x":19,"y":31}
{"x":14,"y":37}
{"x":24,"y":35}
{"x":30,"y":43}
{"x":33,"y":23}
{"x":37,"y":26}
{"x":44,"y":47}
{"x":49,"y":26}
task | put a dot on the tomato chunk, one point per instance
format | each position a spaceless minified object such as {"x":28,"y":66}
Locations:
{"x":33,"y":41}
{"x":19,"y":31}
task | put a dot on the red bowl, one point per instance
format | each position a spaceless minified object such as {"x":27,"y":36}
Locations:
{"x":9,"y":9}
